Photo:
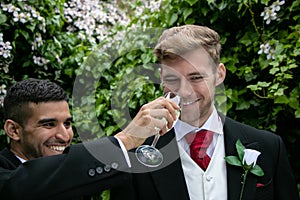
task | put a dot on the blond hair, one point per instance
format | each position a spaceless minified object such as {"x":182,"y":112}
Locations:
{"x":177,"y":41}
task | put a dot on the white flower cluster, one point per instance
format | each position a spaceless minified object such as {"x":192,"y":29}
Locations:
{"x":2,"y":89}
{"x":24,"y":15}
{"x":40,"y":61}
{"x":93,"y":18}
{"x":2,"y":93}
{"x":5,"y":47}
{"x":267,"y":49}
{"x":142,"y":11}
{"x":38,"y":42}
{"x":5,"y":53}
{"x":152,"y":6}
{"x":270,"y":12}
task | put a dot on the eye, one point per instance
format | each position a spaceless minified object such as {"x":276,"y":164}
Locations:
{"x":68,"y":124}
{"x":196,"y":78}
{"x":171,"y":79}
{"x":48,"y":124}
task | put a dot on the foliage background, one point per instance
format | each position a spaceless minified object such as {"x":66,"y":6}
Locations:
{"x":64,"y":41}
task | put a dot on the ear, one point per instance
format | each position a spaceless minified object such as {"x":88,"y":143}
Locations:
{"x":220,"y":74}
{"x":161,"y":79}
{"x":160,"y":73}
{"x":12,"y":129}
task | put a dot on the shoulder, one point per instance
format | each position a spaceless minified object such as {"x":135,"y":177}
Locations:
{"x":250,"y":133}
{"x":8,"y":160}
{"x":268,"y":143}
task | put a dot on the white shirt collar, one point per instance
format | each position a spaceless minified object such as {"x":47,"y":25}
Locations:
{"x":182,"y":128}
{"x":21,"y":159}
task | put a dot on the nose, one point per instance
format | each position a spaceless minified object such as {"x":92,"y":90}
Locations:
{"x":63,"y":134}
{"x":185,"y":88}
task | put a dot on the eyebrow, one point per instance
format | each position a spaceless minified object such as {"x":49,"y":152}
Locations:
{"x":197,"y":73}
{"x":191,"y":74}
{"x":170,"y":75}
{"x":42,"y":121}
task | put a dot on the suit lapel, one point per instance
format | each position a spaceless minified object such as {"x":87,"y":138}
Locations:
{"x":234,"y":174}
{"x":169,"y":179}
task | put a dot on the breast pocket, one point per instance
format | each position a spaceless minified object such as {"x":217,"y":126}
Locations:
{"x":264,"y":191}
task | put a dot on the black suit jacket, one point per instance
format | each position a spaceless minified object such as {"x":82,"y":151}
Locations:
{"x":83,"y":169}
{"x":167,"y":181}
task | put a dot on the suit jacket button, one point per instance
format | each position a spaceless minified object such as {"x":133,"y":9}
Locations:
{"x":99,"y":170}
{"x":92,"y":172}
{"x":107,"y":168}
{"x":114,"y":165}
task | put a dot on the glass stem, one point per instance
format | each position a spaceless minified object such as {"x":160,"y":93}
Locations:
{"x":156,"y":138}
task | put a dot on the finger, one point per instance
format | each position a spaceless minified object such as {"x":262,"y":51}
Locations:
{"x":161,"y":102}
{"x":169,"y":105}
{"x":160,"y":126}
{"x":154,"y":108}
{"x":149,"y":122}
{"x":164,"y":115}
{"x":172,"y":108}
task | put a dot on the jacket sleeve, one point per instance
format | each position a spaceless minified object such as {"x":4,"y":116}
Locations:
{"x":284,"y":183}
{"x":83,"y":169}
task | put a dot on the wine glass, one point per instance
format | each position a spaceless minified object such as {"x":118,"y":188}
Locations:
{"x":148,"y":155}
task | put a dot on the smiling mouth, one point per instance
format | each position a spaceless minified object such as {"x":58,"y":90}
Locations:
{"x":189,"y":102}
{"x":57,"y":148}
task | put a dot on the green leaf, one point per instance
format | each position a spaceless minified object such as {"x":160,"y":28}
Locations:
{"x":257,"y":170}
{"x":240,"y":149}
{"x":246,"y":39}
{"x":263,"y":84}
{"x":253,"y":87}
{"x":274,"y":70}
{"x":3,"y":19}
{"x":233,"y":160}
{"x":242,"y":105}
{"x":187,"y":12}
{"x":146,"y":58}
{"x":192,"y":2}
{"x":173,"y":19}
{"x":297,"y":113}
{"x":281,"y":99}
{"x":265,"y":2}
{"x":25,"y":34}
{"x":105,"y":195}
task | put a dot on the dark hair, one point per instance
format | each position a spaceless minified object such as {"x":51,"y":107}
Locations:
{"x":30,"y":91}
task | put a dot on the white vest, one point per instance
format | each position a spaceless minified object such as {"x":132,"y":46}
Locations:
{"x":211,"y":184}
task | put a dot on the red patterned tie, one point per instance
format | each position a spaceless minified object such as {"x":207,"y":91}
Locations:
{"x":198,"y":146}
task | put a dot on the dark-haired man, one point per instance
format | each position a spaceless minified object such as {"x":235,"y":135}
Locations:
{"x":41,"y":163}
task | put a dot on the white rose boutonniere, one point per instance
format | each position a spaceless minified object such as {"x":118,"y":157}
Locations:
{"x":247,"y":160}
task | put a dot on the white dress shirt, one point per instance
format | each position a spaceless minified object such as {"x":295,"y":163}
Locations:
{"x":212,"y":183}
{"x":214,"y":124}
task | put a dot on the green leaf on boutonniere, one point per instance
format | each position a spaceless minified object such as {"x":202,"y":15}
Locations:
{"x":233,"y":160}
{"x":257,"y":170}
{"x":239,"y":160}
{"x":240,"y":149}
{"x":247,"y":160}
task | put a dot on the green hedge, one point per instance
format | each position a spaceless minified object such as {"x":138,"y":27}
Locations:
{"x":110,"y":72}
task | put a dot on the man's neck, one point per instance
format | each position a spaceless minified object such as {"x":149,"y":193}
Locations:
{"x":18,"y":155}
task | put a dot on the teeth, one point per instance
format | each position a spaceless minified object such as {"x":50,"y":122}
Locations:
{"x":58,"y":148}
{"x":189,"y":102}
